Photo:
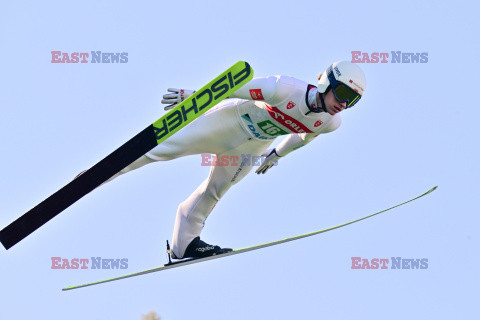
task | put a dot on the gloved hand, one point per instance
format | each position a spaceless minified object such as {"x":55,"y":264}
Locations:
{"x":176,"y":97}
{"x":270,"y":160}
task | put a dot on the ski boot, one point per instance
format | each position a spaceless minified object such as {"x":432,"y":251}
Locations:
{"x":198,"y":249}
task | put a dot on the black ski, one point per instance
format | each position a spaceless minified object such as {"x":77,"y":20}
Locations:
{"x":177,"y":118}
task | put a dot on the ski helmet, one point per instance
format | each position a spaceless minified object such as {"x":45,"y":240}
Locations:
{"x":347,"y":81}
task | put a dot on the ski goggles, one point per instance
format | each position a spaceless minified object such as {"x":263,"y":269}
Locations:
{"x":342,"y":92}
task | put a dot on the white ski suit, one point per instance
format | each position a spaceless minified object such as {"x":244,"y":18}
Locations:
{"x":242,"y":127}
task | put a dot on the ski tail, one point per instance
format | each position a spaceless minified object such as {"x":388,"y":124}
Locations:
{"x":77,"y":188}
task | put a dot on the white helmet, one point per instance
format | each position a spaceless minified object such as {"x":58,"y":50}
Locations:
{"x":347,"y":81}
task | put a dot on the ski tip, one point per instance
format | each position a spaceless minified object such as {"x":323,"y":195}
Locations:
{"x":427,"y":192}
{"x":433,"y":189}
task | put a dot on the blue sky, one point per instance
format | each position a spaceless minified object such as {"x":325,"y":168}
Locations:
{"x":414,"y":128}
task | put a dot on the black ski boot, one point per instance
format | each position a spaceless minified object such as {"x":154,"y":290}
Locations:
{"x":200,"y":249}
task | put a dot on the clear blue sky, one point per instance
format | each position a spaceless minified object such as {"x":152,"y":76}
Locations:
{"x":416,"y":127}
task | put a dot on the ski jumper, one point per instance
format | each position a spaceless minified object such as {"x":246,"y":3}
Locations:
{"x":242,"y":127}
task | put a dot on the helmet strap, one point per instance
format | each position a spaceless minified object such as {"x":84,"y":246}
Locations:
{"x":312,"y":108}
{"x":323,"y":101}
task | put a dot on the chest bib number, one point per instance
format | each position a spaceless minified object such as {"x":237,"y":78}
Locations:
{"x":269,"y":128}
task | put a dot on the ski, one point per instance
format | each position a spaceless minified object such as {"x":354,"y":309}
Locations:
{"x":182,"y":263}
{"x":177,"y":118}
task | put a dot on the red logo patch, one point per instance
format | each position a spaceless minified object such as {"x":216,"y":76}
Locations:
{"x":256,"y":94}
{"x":286,"y":120}
{"x":318,"y":123}
{"x":290,"y":105}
